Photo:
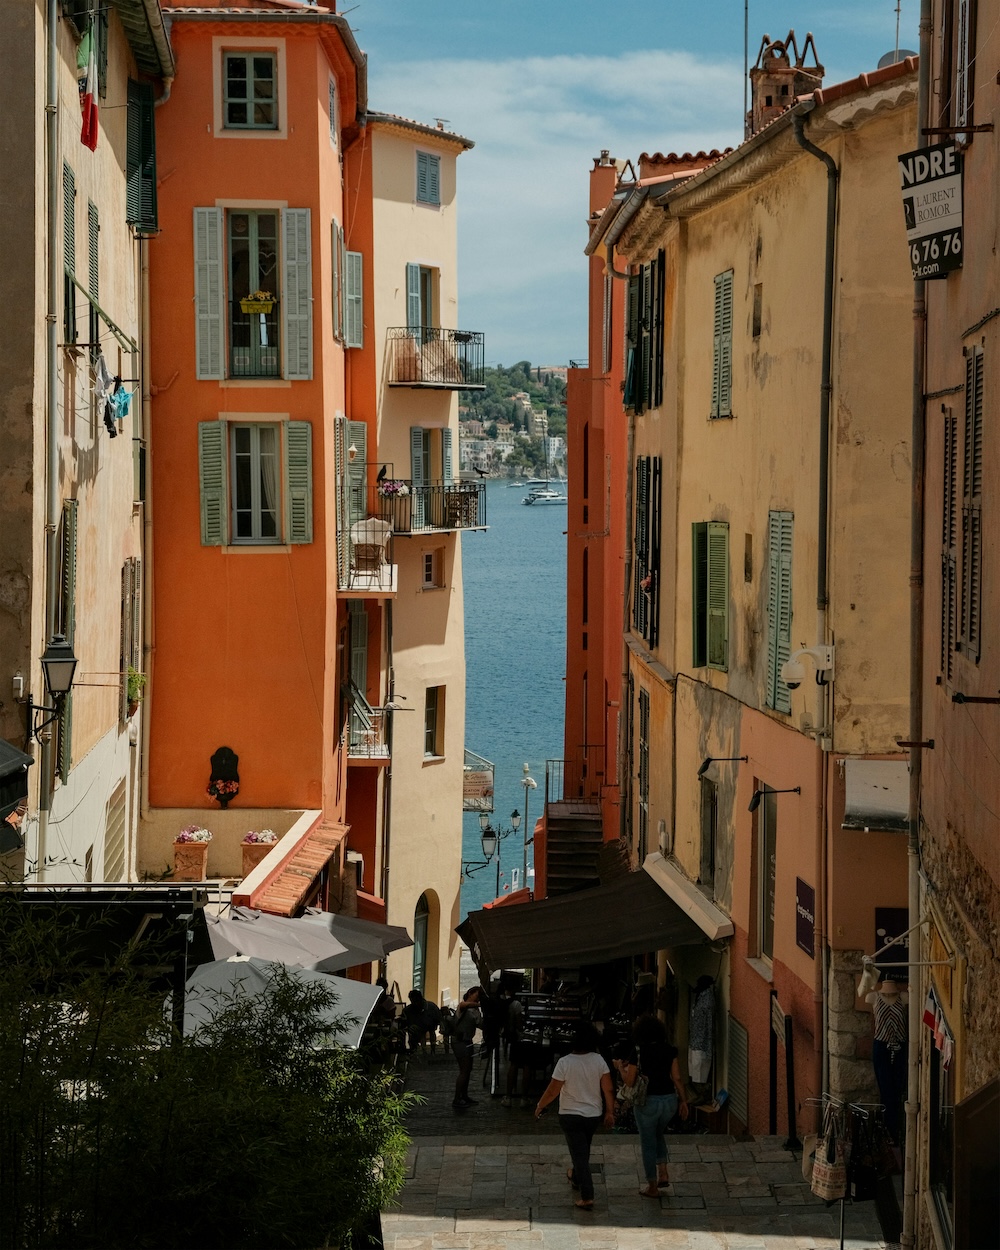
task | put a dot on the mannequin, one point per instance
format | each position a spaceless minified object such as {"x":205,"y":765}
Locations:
{"x":889,"y":1011}
{"x":701,"y":1029}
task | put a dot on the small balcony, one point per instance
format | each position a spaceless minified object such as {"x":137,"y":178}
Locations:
{"x":430,"y":358}
{"x":367,"y":569}
{"x":254,"y":346}
{"x":367,"y":739}
{"x":418,"y":508}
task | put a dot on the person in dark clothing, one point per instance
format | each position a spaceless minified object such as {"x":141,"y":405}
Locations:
{"x":415,"y":1020}
{"x":468,"y":1019}
{"x":654,"y":1057}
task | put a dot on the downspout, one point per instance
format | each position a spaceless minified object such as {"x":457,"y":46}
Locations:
{"x":918,"y":451}
{"x":148,"y":647}
{"x":823,"y":728}
{"x":52,"y":499}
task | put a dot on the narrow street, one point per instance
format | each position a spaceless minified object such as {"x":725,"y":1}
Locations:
{"x":493,"y":1177}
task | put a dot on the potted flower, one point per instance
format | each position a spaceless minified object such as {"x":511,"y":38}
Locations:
{"x":392,"y":488}
{"x":191,"y":853}
{"x":134,"y":683}
{"x":255,"y":846}
{"x":223,"y":791}
{"x":257,"y":302}
{"x":646,"y":584}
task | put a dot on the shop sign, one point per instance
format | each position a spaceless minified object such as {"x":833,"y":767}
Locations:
{"x":932,"y":207}
{"x":477,"y":791}
{"x":805,"y":917}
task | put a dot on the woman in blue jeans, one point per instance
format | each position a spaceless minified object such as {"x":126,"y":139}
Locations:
{"x":656,"y":1059}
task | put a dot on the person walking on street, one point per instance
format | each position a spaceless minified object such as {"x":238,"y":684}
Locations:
{"x":582,"y":1083}
{"x":468,"y":1019}
{"x":653,"y":1057}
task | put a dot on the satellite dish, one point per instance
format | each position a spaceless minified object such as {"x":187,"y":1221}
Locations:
{"x":891,"y":58}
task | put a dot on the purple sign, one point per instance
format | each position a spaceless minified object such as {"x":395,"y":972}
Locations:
{"x":805,"y":917}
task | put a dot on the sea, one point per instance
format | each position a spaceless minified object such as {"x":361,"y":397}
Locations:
{"x":515,"y":660}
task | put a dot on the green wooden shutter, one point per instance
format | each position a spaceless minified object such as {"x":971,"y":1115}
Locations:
{"x":699,"y":594}
{"x":208,"y":293}
{"x":93,"y":234}
{"x":724,"y":337}
{"x":357,"y":437}
{"x":418,"y":475}
{"x":212,"y":474}
{"x":68,"y":553}
{"x":298,"y":481}
{"x":296,"y":298}
{"x":341,"y":494}
{"x":644,"y":388}
{"x":632,"y":342}
{"x":69,"y":252}
{"x":359,"y":647}
{"x":140,"y":159}
{"x":354,"y":329}
{"x":337,"y":289}
{"x":972,"y":498}
{"x":779,"y":607}
{"x":100,"y":29}
{"x":718,"y":595}
{"x":949,"y":546}
{"x":413,"y":316}
{"x":640,"y":601}
{"x":447,"y":468}
{"x":659,"y":294}
{"x":428,"y":178}
{"x":331,"y":105}
{"x":653,"y":557}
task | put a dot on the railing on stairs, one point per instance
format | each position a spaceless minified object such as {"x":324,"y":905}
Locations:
{"x":579,"y":778}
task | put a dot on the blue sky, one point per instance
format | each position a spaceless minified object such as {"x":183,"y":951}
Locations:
{"x":542,"y":86}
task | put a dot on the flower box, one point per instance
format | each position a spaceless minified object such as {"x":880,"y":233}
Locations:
{"x":190,"y":861}
{"x":253,"y":853}
{"x":257,"y":305}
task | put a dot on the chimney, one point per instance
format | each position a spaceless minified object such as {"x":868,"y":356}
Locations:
{"x":776,"y":79}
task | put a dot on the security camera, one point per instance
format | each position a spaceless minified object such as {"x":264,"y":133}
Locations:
{"x":793,"y":671}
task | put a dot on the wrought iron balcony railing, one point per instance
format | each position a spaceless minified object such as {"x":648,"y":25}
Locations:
{"x":412,"y":508}
{"x":367,"y":563}
{"x":254,"y":346}
{"x":366,"y":729}
{"x":449,"y":360}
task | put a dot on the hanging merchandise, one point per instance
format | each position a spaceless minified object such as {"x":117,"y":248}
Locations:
{"x":701,"y":1027}
{"x":829,"y":1174}
{"x":934,"y":1019}
{"x":889,"y":1051}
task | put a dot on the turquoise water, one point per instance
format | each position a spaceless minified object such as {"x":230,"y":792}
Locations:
{"x":515,"y":658}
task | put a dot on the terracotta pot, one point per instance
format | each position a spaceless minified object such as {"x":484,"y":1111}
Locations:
{"x":253,"y":853}
{"x":190,"y":861}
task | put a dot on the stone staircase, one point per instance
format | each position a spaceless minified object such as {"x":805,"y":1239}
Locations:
{"x":573,"y":843}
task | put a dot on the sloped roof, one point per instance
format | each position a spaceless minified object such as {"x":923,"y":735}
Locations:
{"x":408,"y":123}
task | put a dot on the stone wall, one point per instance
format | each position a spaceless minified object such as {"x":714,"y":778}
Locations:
{"x":849,"y":1035}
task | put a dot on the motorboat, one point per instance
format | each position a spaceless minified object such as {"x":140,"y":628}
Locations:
{"x":544,"y":495}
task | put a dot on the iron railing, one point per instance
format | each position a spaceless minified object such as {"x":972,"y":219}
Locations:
{"x":366,"y":729}
{"x":369,"y":564}
{"x":580,"y":778}
{"x":254,"y":346}
{"x":450,"y":360}
{"x":416,"y":508}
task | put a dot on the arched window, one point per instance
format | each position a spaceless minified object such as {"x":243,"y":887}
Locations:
{"x":421,"y":916}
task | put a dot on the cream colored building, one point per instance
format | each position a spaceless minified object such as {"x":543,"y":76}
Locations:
{"x":766,"y":523}
{"x":72,"y":511}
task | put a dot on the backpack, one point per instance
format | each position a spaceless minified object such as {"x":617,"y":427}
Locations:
{"x":466,"y":1024}
{"x":432,"y":1015}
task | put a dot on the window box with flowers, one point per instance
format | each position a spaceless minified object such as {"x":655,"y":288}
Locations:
{"x":191,"y":853}
{"x":257,"y":302}
{"x":255,"y":846}
{"x":393,"y":488}
{"x":223,"y":791}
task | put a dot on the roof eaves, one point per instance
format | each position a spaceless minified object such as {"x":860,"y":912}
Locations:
{"x":615,"y":218}
{"x":408,"y":123}
{"x":142,"y":21}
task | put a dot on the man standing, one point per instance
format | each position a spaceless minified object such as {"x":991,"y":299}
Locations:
{"x":468,"y":1019}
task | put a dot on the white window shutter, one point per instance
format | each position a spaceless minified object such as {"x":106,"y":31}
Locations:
{"x":209,"y":291}
{"x":298,"y":481}
{"x":336,"y":284}
{"x":447,"y":472}
{"x":212,"y":458}
{"x":296,"y":298}
{"x":413,"y":297}
{"x":354,"y":278}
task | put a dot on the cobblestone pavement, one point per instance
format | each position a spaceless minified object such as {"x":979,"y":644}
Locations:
{"x":492,"y":1178}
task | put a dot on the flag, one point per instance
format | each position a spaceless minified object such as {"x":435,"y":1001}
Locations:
{"x":930,"y":1009}
{"x":86,"y":59}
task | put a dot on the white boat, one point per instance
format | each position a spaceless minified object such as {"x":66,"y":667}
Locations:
{"x":544,"y":495}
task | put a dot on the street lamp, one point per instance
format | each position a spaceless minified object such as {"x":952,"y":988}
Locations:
{"x":58,"y":666}
{"x":529,"y":784}
{"x":492,"y":836}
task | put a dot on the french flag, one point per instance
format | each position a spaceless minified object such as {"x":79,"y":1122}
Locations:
{"x":88,"y":90}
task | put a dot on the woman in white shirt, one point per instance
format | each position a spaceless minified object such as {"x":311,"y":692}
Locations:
{"x":582,"y":1083}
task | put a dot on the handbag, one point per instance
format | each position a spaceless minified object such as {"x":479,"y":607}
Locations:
{"x":634,"y":1095}
{"x":829,"y":1175}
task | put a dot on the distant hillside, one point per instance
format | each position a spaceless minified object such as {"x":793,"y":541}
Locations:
{"x":547,"y":389}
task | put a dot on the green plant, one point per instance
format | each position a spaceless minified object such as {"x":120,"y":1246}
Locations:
{"x":134,"y":683}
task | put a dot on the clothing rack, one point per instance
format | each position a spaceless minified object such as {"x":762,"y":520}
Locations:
{"x":861,"y":1109}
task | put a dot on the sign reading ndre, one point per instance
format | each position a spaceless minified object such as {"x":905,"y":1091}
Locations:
{"x":932,"y":206}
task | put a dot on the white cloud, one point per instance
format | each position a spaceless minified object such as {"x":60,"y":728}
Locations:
{"x":523,"y":190}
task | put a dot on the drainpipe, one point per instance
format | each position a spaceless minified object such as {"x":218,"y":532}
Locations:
{"x":918,"y":440}
{"x":824,"y":709}
{"x":52,"y":497}
{"x":148,"y":648}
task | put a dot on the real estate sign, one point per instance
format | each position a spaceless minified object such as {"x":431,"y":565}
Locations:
{"x":932,"y":206}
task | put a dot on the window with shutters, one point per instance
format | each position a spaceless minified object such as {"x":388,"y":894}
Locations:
{"x":253,"y":293}
{"x":644,"y":336}
{"x":764,"y":875}
{"x":949,"y":545}
{"x":646,"y":561}
{"x":249,"y":84}
{"x":94,"y":274}
{"x":69,"y":253}
{"x":709,"y":834}
{"x":255,"y":482}
{"x":420,"y":302}
{"x":140,"y":160}
{"x":779,"y":607}
{"x":970,"y":604}
{"x":346,"y":293}
{"x":642,"y":833}
{"x":432,"y":563}
{"x":722,"y":349}
{"x":710,"y":594}
{"x":608,"y":322}
{"x":428,"y":178}
{"x":434,"y":722}
{"x":338,"y":254}
{"x":65,"y":624}
{"x":331,"y":106}
{"x":958,"y":48}
{"x":130,"y":646}
{"x":115,"y":830}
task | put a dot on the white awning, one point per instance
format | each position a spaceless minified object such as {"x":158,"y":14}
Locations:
{"x":877,"y":795}
{"x":712,"y":920}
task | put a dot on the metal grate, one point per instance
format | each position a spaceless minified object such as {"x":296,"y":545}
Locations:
{"x":114,"y":835}
{"x":739,"y":1053}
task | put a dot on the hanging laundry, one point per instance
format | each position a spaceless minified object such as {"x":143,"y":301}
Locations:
{"x":120,"y":400}
{"x":86,"y":61}
{"x":104,"y":389}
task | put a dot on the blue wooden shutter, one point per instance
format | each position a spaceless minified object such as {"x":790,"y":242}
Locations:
{"x":354,"y":329}
{"x":717,"y":599}
{"x":779,"y":607}
{"x":209,"y":286}
{"x":296,"y":298}
{"x":212,"y":474}
{"x":298,"y":481}
{"x":413,"y":317}
{"x":341,"y":495}
{"x":447,"y":469}
{"x":428,"y":178}
{"x":357,"y":437}
{"x":418,"y":475}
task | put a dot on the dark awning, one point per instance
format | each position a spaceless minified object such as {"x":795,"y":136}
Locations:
{"x":14,"y":765}
{"x":629,"y":916}
{"x":877,"y":795}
